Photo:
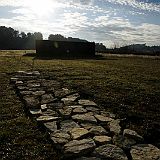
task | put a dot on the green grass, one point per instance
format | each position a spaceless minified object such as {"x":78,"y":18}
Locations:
{"x":127,"y":86}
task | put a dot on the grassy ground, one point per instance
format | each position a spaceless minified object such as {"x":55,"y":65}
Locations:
{"x":127,"y":86}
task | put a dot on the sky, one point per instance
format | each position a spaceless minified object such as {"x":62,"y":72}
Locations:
{"x":111,"y":22}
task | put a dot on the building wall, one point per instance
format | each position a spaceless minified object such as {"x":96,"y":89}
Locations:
{"x":64,"y":49}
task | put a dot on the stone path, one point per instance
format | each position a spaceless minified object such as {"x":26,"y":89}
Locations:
{"x":79,"y":128}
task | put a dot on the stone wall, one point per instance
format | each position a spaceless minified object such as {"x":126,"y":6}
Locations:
{"x":78,"y":127}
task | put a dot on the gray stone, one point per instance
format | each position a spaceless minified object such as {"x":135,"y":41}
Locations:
{"x":47,"y":118}
{"x":51,"y":126}
{"x":79,"y":110}
{"x":13,"y":79}
{"x":65,"y":113}
{"x":43,"y":107}
{"x":84,"y":118}
{"x":36,"y":73}
{"x":50,"y":84}
{"x":69,"y":100}
{"x":33,"y":85}
{"x":109,"y":151}
{"x":60,"y":138}
{"x":92,"y":109}
{"x":108,"y":114}
{"x":101,"y":140}
{"x":68,"y":125}
{"x":85,"y":102}
{"x":38,"y":93}
{"x":47,"y":98}
{"x":55,"y":105}
{"x":115,"y":127}
{"x":77,"y":133}
{"x":88,"y":158}
{"x":50,"y":112}
{"x":75,"y":106}
{"x":132,"y":135}
{"x":35,"y":111}
{"x":145,"y":151}
{"x":62,"y":92}
{"x":24,"y":93}
{"x":98,"y":130}
{"x":31,"y":102}
{"x":103,"y":119}
{"x":78,"y":147}
{"x":19,"y":83}
{"x":88,"y":126}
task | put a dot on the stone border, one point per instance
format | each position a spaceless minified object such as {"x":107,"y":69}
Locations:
{"x":79,"y":128}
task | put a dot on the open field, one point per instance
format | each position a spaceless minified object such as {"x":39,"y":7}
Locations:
{"x":127,"y":86}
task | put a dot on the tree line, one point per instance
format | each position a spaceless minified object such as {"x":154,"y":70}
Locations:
{"x":11,"y":39}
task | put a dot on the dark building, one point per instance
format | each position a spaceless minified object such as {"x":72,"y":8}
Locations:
{"x":65,"y":49}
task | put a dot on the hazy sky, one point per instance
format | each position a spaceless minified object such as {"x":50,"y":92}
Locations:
{"x":111,"y":22}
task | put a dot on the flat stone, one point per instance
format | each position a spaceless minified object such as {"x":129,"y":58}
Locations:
{"x":92,"y":109}
{"x":62,"y":92}
{"x":50,"y":84}
{"x":75,"y":106}
{"x":38,"y":93}
{"x":132,"y":135}
{"x":24,"y":93}
{"x":60,"y":138}
{"x":101,"y":140}
{"x":88,"y":126}
{"x":33,"y":85}
{"x":55,"y":105}
{"x":68,"y":100}
{"x":78,"y":147}
{"x":115,"y":127}
{"x":79,"y":110}
{"x":145,"y":151}
{"x":22,"y":88}
{"x":77,"y":133}
{"x":31,"y":102}
{"x":88,"y":158}
{"x":13,"y":79}
{"x":109,"y":151}
{"x":98,"y":130}
{"x":65,"y":113}
{"x":47,"y":118}
{"x":35,"y":111}
{"x":103,"y":119}
{"x":108,"y":114}
{"x":85,"y":102}
{"x":47,"y":98}
{"x":19,"y":83}
{"x":68,"y":125}
{"x":84,"y":118}
{"x":36,"y":73}
{"x":43,"y":107}
{"x":51,"y":126}
{"x":50,"y":112}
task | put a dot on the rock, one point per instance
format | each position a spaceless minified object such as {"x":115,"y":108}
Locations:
{"x":103,"y":119}
{"x":62,"y":92}
{"x":114,"y":126}
{"x":68,"y":125}
{"x":36,"y":73}
{"x":75,"y":106}
{"x":47,"y":118}
{"x":25,"y":93}
{"x":132,"y":135}
{"x":98,"y":130}
{"x":78,"y":147}
{"x":38,"y":93}
{"x":50,"y":84}
{"x":65,"y":113}
{"x":79,"y":110}
{"x":49,"y":112}
{"x":47,"y":98}
{"x":77,"y":133}
{"x":31,"y":102}
{"x":92,"y":109}
{"x":84,"y":118}
{"x":109,"y":151}
{"x":88,"y":125}
{"x":101,"y":140}
{"x":88,"y":158}
{"x":108,"y":114}
{"x":60,"y":138}
{"x":86,"y":102}
{"x":33,"y":85}
{"x":145,"y":151}
{"x":19,"y":83}
{"x":55,"y":105}
{"x":43,"y":107}
{"x":22,"y":88}
{"x":13,"y":80}
{"x":35,"y":111}
{"x":51,"y":126}
{"x":70,"y":99}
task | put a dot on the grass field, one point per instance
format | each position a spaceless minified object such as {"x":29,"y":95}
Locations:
{"x":127,"y":86}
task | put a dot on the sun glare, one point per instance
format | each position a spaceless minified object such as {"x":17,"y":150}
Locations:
{"x":41,"y":7}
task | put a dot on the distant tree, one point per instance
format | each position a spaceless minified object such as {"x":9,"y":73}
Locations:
{"x":38,"y":36}
{"x":100,"y":47}
{"x":57,"y":37}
